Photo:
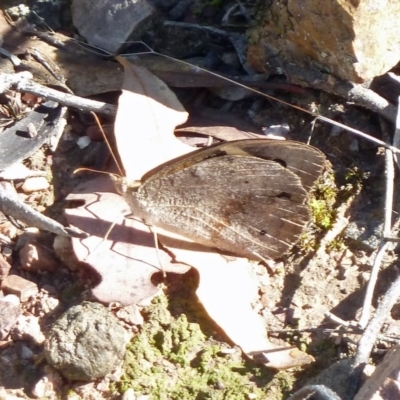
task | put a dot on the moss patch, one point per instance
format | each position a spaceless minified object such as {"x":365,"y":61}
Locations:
{"x":172,"y":358}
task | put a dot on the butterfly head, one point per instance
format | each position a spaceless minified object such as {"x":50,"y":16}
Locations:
{"x":123,"y":185}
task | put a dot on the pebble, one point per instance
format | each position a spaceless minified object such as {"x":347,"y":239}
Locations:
{"x":7,"y":252}
{"x":130,"y":314}
{"x":28,"y":328}
{"x":49,"y":304}
{"x":35,"y":184}
{"x":21,"y":287}
{"x":9,"y":314}
{"x":129,"y":395}
{"x":49,"y":386}
{"x":4,"y":267}
{"x":83,"y":142}
{"x":37,"y":258}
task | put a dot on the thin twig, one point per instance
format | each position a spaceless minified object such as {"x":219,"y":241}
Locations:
{"x":387,"y":223}
{"x":396,"y":136}
{"x":336,"y":319}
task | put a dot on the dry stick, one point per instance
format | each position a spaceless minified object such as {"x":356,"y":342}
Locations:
{"x":11,"y":204}
{"x":371,"y":333}
{"x":373,"y":328}
{"x":387,"y":223}
{"x":65,"y":99}
{"x":21,"y":83}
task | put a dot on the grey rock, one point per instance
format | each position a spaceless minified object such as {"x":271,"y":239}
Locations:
{"x":86,"y":342}
{"x":109,"y":23}
{"x":9,"y":313}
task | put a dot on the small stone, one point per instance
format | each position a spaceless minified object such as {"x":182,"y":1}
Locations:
{"x":129,"y":395}
{"x":83,"y":142}
{"x":4,"y":267}
{"x":86,"y":343}
{"x":37,"y":258}
{"x":25,"y":353}
{"x":9,"y":313}
{"x":63,"y":248}
{"x":109,"y":24}
{"x":21,"y":287}
{"x":7,"y":252}
{"x":131,"y":315}
{"x":48,"y":387}
{"x":11,"y":298}
{"x":83,"y":390}
{"x":28,"y":328}
{"x":35,"y":184}
{"x":103,"y":386}
{"x":48,"y":304}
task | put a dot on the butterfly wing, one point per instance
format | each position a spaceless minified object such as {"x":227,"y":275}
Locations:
{"x":250,"y":206}
{"x":303,"y":160}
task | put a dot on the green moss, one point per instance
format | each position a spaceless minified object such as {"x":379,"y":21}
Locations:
{"x":171,"y":358}
{"x":353,"y":181}
{"x":323,"y":201}
{"x":323,"y":211}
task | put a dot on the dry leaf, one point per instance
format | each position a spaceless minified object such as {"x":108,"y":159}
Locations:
{"x":148,"y":113}
{"x":126,"y":259}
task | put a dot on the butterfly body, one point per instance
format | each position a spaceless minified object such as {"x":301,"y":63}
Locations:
{"x":245,"y":197}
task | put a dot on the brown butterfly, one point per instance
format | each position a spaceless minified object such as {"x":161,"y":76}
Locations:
{"x":246,"y":197}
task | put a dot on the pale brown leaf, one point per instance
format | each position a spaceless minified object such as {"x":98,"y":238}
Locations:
{"x":148,"y":113}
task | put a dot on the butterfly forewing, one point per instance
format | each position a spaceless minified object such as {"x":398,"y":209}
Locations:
{"x":303,"y":160}
{"x":244,"y":204}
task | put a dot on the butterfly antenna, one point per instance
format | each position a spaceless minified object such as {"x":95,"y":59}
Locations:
{"x":107,"y":142}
